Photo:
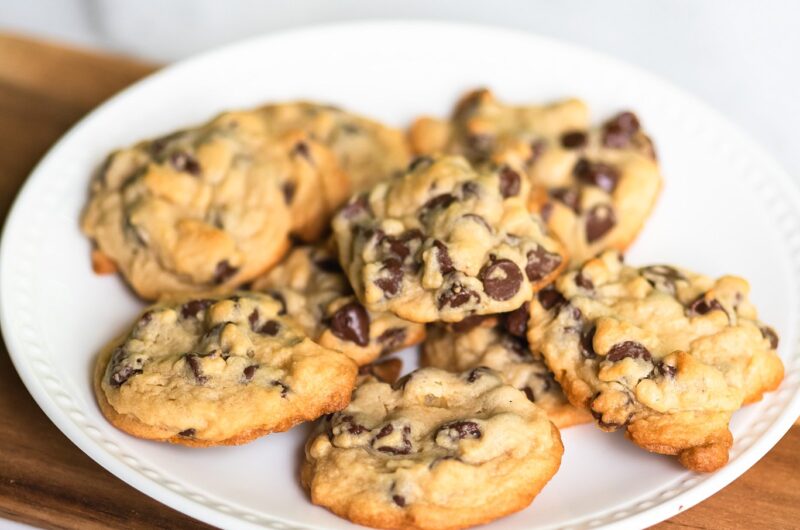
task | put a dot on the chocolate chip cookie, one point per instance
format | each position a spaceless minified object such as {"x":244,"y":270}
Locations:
{"x":209,"y":208}
{"x":502,"y":346}
{"x":666,"y":354}
{"x":316,"y":293}
{"x":367,"y":151}
{"x":446,"y":241}
{"x":595,"y":187}
{"x":436,"y":450}
{"x":218,"y":371}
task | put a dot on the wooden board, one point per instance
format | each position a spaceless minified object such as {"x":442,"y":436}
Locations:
{"x":47,"y":481}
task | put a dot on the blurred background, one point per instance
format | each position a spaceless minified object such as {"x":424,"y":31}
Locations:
{"x":740,"y":56}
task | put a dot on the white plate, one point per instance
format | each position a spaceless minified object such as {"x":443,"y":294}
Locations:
{"x":726,"y":207}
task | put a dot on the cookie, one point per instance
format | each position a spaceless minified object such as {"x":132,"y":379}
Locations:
{"x":437,"y":450}
{"x":317,"y":295}
{"x":367,"y":151}
{"x":445,"y":241}
{"x":666,"y":354}
{"x":503,"y":348}
{"x":595,"y":187}
{"x":218,"y":371}
{"x":205,"y":209}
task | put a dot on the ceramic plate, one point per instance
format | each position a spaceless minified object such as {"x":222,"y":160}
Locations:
{"x":727,"y":207}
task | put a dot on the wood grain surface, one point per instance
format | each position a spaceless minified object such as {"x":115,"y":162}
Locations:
{"x":46,"y":481}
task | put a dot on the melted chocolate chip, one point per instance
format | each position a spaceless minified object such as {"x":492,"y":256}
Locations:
{"x":770,"y":334}
{"x":701,"y":306}
{"x":462,"y":429}
{"x":301,"y":149}
{"x":664,"y":370}
{"x":440,"y":201}
{"x":288,"y":190}
{"x":501,"y":279}
{"x":121,"y":369}
{"x":390,"y":283}
{"x":529,"y":394}
{"x":550,"y":298}
{"x":456,"y":295}
{"x":609,"y":426}
{"x":399,"y":500}
{"x":599,"y":221}
{"x":470,"y":189}
{"x":193,"y":307}
{"x":510,"y":182}
{"x":476,"y":373}
{"x":541,"y":263}
{"x":587,"y":343}
{"x":328,"y":264}
{"x":570,"y":197}
{"x":270,"y":327}
{"x":583,"y":282}
{"x":468,"y":323}
{"x":193,"y":361}
{"x":516,"y":322}
{"x":618,"y":131}
{"x":391,"y":339}
{"x":573,"y":139}
{"x":662,"y":277}
{"x":443,"y":258}
{"x":351,"y":323}
{"x":403,"y":449}
{"x":280,"y":299}
{"x":224,"y":271}
{"x":283,"y":386}
{"x":145,"y":319}
{"x":188,"y":433}
{"x":626,"y":349}
{"x":401,"y":383}
{"x":597,"y":174}
{"x":183,"y":161}
{"x":353,"y":427}
{"x":249,"y":372}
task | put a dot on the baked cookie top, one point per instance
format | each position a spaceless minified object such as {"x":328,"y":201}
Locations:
{"x":445,"y":241}
{"x":504,"y":348}
{"x":315,"y":292}
{"x":435,"y":450}
{"x":667,"y":354}
{"x":366,"y":150}
{"x":218,"y":371}
{"x":595,"y":186}
{"x":198,"y":210}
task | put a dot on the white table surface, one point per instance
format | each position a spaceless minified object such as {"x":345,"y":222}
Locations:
{"x":740,"y":56}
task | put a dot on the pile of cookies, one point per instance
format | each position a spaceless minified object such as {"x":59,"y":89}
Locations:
{"x":291,"y":246}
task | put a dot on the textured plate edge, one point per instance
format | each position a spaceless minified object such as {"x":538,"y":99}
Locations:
{"x":700,"y":487}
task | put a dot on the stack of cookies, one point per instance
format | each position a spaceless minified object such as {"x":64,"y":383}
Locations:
{"x":288,"y":248}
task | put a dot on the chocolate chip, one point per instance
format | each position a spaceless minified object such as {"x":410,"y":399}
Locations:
{"x":587,"y":343}
{"x":391,"y":339}
{"x":529,"y":394}
{"x":516,"y":322}
{"x":145,"y":319}
{"x":443,"y":258}
{"x":573,"y":139}
{"x":516,"y":345}
{"x":568,"y":196}
{"x":183,"y":161}
{"x":462,"y":429}
{"x":249,"y":372}
{"x":470,"y":189}
{"x":456,"y":295}
{"x":351,"y":323}
{"x":399,"y":500}
{"x":401,"y":383}
{"x":224,"y":271}
{"x":583,"y":282}
{"x":288,"y":190}
{"x":510,"y":182}
{"x":468,"y":323}
{"x":770,"y":334}
{"x":618,"y":131}
{"x":550,"y":298}
{"x":284,"y":388}
{"x":626,"y":349}
{"x":388,"y":429}
{"x":701,"y":306}
{"x":664,"y":370}
{"x":597,"y":174}
{"x":477,"y":373}
{"x":398,"y":245}
{"x":193,"y":307}
{"x":599,"y":221}
{"x":328,"y":265}
{"x":390,"y":283}
{"x":280,"y":299}
{"x":121,"y":368}
{"x":501,"y":279}
{"x":440,"y":201}
{"x":270,"y":327}
{"x":353,"y":427}
{"x":188,"y":433}
{"x":541,"y":263}
{"x":609,"y":426}
{"x":193,"y":360}
{"x":419,"y":163}
{"x":301,"y":149}
{"x":662,"y":277}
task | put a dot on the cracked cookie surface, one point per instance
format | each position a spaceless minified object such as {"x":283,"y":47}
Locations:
{"x":436,"y":450}
{"x":218,"y":371}
{"x":445,"y":241}
{"x":315,"y":291}
{"x":595,"y":186}
{"x":666,"y":354}
{"x":504,"y":348}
